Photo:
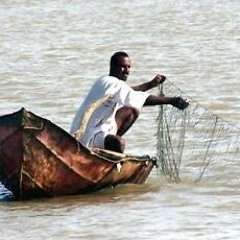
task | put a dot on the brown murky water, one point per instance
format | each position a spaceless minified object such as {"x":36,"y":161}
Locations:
{"x":51,"y":52}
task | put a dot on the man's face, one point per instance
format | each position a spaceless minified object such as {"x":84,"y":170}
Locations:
{"x":122,"y":70}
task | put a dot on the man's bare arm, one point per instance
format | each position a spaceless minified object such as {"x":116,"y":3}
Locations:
{"x":159,"y":79}
{"x":177,"y":102}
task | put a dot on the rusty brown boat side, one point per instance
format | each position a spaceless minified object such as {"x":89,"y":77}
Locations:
{"x":39,"y":159}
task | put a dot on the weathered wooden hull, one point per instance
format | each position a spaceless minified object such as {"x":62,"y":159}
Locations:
{"x":39,"y":159}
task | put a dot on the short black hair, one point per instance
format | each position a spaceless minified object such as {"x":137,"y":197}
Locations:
{"x":115,"y":58}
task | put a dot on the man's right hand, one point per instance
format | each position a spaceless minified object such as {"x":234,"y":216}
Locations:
{"x":157,"y":80}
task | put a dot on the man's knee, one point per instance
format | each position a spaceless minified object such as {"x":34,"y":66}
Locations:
{"x":126,"y":114}
{"x":129,"y":111}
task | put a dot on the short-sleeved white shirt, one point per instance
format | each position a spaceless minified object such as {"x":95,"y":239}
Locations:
{"x":103,"y":118}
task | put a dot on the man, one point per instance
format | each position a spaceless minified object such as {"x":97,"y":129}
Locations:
{"x":110,"y":122}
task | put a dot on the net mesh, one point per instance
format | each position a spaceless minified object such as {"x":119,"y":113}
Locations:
{"x":195,"y":143}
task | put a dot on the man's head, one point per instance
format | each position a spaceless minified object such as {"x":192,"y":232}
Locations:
{"x":120,"y":65}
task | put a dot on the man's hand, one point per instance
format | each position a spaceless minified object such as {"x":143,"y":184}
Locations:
{"x":179,"y":103}
{"x":159,"y":79}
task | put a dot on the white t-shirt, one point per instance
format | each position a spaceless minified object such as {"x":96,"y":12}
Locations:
{"x":103,"y":118}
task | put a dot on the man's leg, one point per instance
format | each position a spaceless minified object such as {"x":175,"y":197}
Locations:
{"x":125,"y":117}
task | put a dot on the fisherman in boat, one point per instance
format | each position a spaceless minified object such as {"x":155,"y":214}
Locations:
{"x":110,"y":121}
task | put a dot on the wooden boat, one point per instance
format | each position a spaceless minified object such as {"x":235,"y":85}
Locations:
{"x":39,"y":159}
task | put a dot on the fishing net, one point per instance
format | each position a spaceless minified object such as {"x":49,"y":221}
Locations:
{"x":195,"y":143}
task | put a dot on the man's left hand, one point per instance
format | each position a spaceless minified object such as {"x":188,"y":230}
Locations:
{"x":179,"y":103}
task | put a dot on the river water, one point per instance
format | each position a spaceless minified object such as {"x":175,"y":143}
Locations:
{"x":52,"y":51}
